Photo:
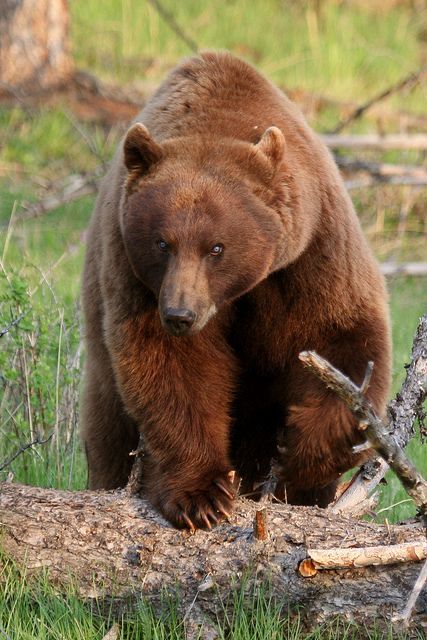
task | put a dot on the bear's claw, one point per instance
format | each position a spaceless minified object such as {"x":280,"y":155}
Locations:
{"x":224,"y":489}
{"x":200,"y":509}
{"x":191,"y":526}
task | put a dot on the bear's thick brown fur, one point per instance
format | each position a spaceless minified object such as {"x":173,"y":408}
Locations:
{"x":223,"y":243}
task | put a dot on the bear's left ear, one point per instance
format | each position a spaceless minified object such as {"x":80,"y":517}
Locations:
{"x":272,"y":144}
{"x":140,"y":150}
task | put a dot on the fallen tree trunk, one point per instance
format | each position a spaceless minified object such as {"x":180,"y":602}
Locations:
{"x":114,"y":545}
{"x":375,"y":141}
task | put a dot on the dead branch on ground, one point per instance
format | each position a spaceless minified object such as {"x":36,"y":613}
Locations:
{"x":404,"y":268}
{"x":404,"y":617}
{"x":408,"y":83}
{"x":338,"y":558}
{"x":378,"y":435}
{"x":374,"y":181}
{"x":403,"y":411}
{"x":375,"y":141}
{"x":71,"y":189}
{"x":380,"y":169}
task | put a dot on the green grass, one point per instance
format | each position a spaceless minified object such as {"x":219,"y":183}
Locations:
{"x":344,"y":52}
{"x":35,"y":610}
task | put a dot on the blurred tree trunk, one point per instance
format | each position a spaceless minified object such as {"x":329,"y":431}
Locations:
{"x":34,"y":46}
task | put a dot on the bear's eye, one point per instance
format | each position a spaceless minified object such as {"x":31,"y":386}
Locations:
{"x":163,"y":246}
{"x":216,"y":250}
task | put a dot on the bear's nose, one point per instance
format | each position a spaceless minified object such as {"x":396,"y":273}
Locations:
{"x":178,"y":320}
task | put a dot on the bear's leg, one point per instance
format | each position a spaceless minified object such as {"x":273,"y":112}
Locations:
{"x":256,"y":419}
{"x":315,"y":448}
{"x":315,"y":444}
{"x":109,"y":433}
{"x":179,"y":392}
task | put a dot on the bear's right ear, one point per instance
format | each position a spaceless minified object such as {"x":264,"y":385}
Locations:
{"x":272,"y":144}
{"x":140,"y":150}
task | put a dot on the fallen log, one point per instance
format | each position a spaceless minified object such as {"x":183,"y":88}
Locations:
{"x":375,"y":141}
{"x":404,"y":268}
{"x":114,"y":545}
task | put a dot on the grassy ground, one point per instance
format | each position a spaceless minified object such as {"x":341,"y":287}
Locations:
{"x":31,"y":611}
{"x":348,"y":51}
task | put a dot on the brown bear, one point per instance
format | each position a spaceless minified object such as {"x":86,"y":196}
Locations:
{"x":222,"y":244}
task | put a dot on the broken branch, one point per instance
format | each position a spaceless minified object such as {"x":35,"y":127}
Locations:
{"x":339,"y":558}
{"x":402,"y":414}
{"x":406,"y":614}
{"x":408,"y":82}
{"x":72,"y":189}
{"x":378,"y":435}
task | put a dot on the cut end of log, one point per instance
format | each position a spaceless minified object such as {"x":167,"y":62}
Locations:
{"x":307,"y":568}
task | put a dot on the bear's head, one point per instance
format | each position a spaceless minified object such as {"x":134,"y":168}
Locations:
{"x":202,"y":220}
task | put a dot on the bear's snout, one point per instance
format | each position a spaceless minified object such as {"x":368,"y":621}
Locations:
{"x":178,"y":322}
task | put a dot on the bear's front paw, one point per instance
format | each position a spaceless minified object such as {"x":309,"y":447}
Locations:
{"x":201,"y":508}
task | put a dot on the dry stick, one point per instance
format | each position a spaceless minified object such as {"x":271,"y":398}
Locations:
{"x":378,"y":435}
{"x":416,"y":141}
{"x":4,"y":634}
{"x":373,"y":181}
{"x":11,"y":324}
{"x":134,"y":484}
{"x":405,"y":615}
{"x":381,"y":169}
{"x":408,"y":81}
{"x":380,"y":173}
{"x":24,"y":448}
{"x":260,"y":524}
{"x":168,"y":17}
{"x":346,"y":558}
{"x":79,"y":187}
{"x":402,"y":413}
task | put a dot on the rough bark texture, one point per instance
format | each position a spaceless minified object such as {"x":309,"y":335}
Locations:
{"x":113,"y":544}
{"x":34,"y":45}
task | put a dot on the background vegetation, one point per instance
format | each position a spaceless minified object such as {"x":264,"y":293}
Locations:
{"x":343,"y":52}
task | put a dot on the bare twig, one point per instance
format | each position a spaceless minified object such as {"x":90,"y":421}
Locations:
{"x":379,"y":436}
{"x":408,"y":82}
{"x":73,"y":189}
{"x":11,"y":324}
{"x":375,"y":141}
{"x":4,"y":634}
{"x":406,"y":614}
{"x":24,"y":447}
{"x":344,"y":558}
{"x":170,"y":20}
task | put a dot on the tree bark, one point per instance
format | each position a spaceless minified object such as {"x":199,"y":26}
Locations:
{"x":114,"y":545}
{"x":34,"y":46}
